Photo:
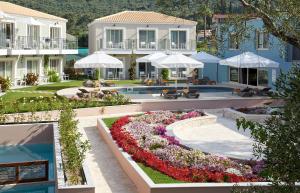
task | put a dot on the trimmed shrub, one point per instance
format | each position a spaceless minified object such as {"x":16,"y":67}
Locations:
{"x":53,"y":76}
{"x":165,"y":73}
{"x":5,"y":83}
{"x":32,"y":79}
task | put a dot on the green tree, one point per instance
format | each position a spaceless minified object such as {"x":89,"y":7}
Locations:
{"x":132,"y":67}
{"x":281,"y":17}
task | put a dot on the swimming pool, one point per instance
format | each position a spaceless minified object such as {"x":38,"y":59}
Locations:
{"x":158,"y":90}
{"x":28,"y":152}
{"x":29,"y":188}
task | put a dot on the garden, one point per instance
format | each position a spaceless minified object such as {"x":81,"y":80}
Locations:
{"x":165,"y":160}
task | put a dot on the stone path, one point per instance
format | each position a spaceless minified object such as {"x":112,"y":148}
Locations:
{"x":107,"y":174}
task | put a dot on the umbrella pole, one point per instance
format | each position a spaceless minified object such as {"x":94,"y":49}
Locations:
{"x":176,"y":78}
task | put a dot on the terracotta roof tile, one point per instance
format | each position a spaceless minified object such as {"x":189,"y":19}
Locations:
{"x":149,"y":17}
{"x":11,"y":8}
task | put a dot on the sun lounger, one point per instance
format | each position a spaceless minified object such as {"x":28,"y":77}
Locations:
{"x":246,"y":92}
{"x":170,"y":94}
{"x":83,"y":93}
{"x":191,"y":93}
{"x":264,"y":92}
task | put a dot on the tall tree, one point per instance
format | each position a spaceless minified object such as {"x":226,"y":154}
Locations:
{"x":281,"y":17}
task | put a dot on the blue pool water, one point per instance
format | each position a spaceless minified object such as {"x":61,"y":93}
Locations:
{"x":30,"y":152}
{"x":36,"y":188}
{"x":158,"y":90}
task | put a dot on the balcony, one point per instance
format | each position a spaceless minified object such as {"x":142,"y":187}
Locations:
{"x":130,"y":45}
{"x":44,"y":45}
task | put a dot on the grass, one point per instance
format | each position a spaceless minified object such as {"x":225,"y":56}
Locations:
{"x":156,"y":176}
{"x":13,"y":96}
{"x":53,"y":87}
{"x":110,"y":121}
{"x":126,"y":82}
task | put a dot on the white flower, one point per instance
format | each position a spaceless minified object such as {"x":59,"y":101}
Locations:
{"x":233,"y":171}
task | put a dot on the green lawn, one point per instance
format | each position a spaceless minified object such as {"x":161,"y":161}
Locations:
{"x":156,"y":176}
{"x":13,"y":96}
{"x":126,"y":82}
{"x":53,"y":87}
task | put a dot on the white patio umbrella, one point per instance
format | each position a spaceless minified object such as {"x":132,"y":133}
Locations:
{"x":249,"y":60}
{"x":151,"y":58}
{"x":99,"y":60}
{"x":177,"y":61}
{"x":30,"y":21}
{"x":207,"y":59}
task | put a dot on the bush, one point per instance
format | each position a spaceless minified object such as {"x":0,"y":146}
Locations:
{"x":73,"y":147}
{"x":165,"y":73}
{"x":75,"y":74}
{"x":116,"y":99}
{"x":31,"y":79}
{"x":5,"y":83}
{"x":53,"y":76}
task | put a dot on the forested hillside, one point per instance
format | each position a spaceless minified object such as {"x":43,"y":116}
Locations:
{"x":81,"y":12}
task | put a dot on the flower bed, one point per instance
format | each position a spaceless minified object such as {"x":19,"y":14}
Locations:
{"x":144,"y":138}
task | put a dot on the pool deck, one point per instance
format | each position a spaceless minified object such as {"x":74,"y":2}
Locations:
{"x":71,"y":92}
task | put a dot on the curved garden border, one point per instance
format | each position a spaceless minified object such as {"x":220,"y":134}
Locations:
{"x":146,"y":185}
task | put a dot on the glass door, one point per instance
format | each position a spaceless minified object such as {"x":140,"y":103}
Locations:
{"x":32,"y":66}
{"x":33,"y":36}
{"x":252,"y":76}
{"x":54,"y":37}
{"x":178,"y":40}
{"x":114,"y":38}
{"x":147,"y":39}
{"x":6,"y":69}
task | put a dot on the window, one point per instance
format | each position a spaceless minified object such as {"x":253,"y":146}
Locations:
{"x":114,"y":38}
{"x":6,"y":69}
{"x":32,"y":66}
{"x":262,"y":40}
{"x":33,"y":36}
{"x":178,"y":40}
{"x":234,"y":74}
{"x":147,"y":39}
{"x":6,"y":35}
{"x":234,"y":41}
{"x":54,"y":65}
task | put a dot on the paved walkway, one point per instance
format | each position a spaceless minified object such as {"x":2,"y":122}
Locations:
{"x":107,"y":174}
{"x":221,"y":138}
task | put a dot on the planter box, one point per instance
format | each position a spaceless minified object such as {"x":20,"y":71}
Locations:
{"x":233,"y":114}
{"x":145,"y":185}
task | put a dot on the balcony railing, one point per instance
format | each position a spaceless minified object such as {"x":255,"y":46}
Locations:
{"x":32,"y":43}
{"x":161,"y":44}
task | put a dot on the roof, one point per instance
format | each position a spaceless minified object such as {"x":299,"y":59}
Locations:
{"x":144,"y":17}
{"x":11,"y":8}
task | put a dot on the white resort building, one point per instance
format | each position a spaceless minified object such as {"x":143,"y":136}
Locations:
{"x":31,"y":42}
{"x":141,"y":33}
